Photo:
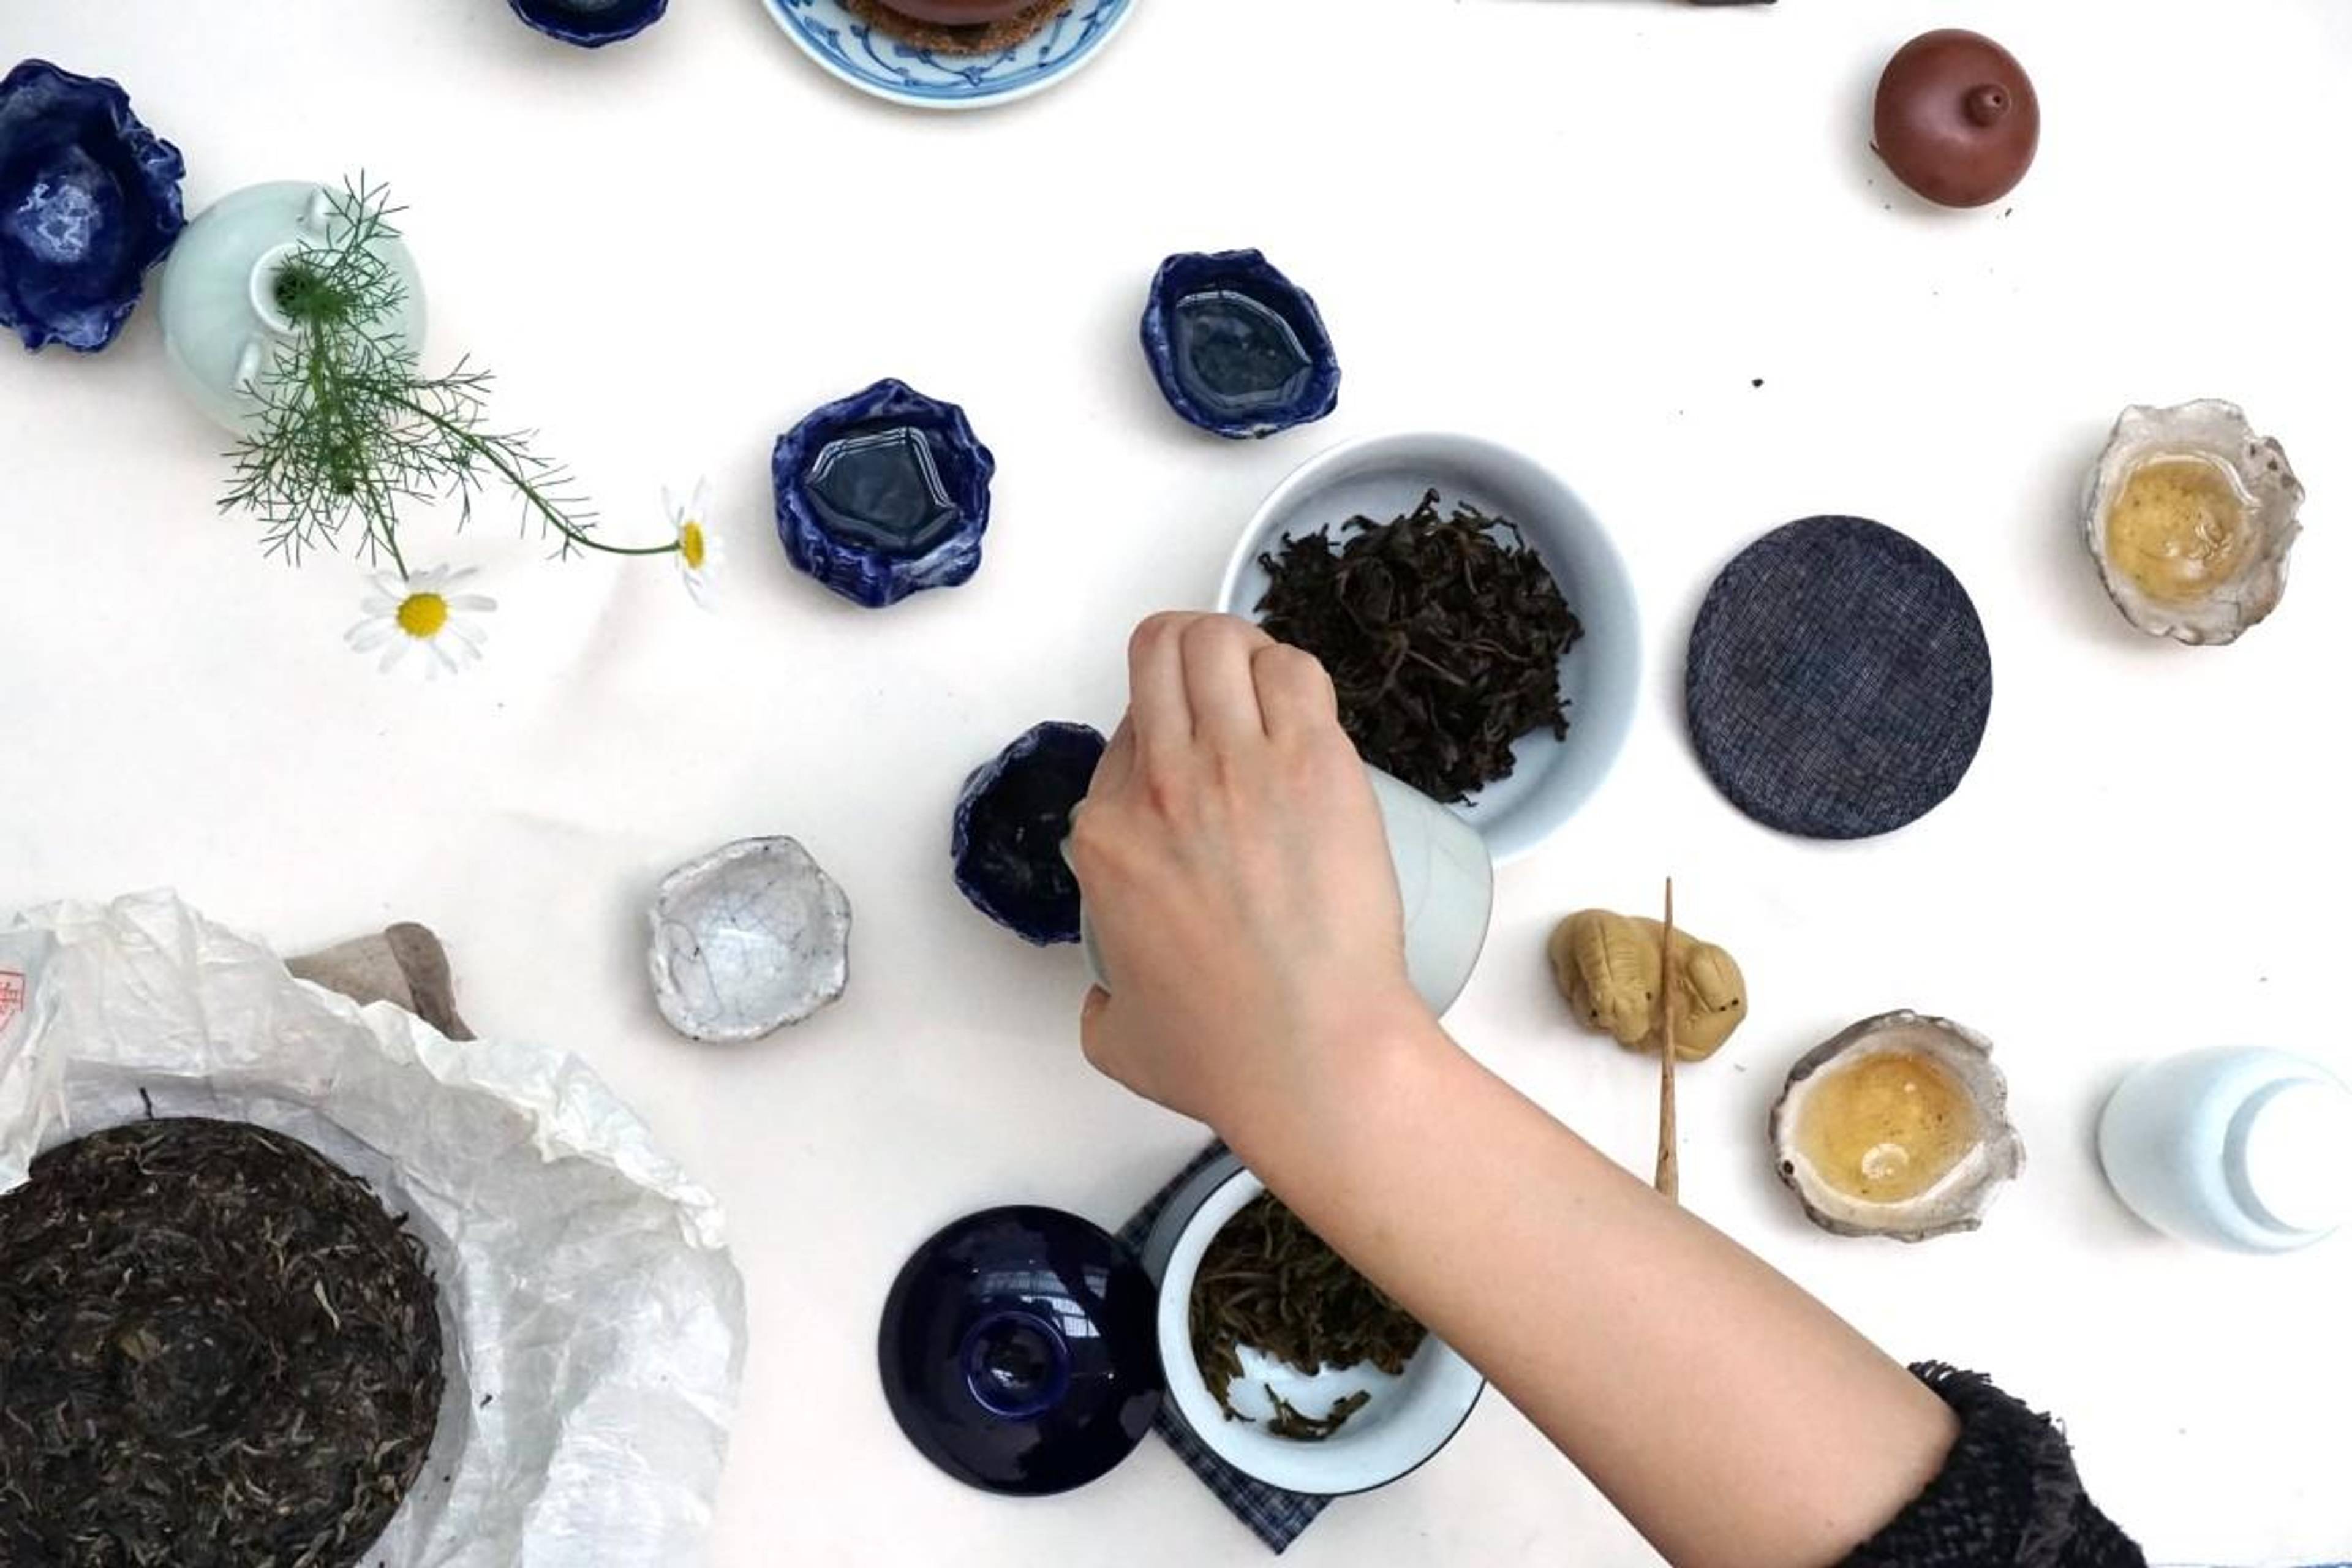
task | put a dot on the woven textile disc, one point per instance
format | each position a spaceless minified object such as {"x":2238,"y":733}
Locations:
{"x":1839,"y":679}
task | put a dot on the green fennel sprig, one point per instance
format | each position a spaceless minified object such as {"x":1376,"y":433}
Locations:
{"x":349,"y":429}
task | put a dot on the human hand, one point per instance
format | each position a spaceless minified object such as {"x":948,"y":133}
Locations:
{"x":1236,"y":877}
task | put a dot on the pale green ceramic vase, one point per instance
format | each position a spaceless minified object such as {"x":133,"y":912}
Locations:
{"x":222,"y":326}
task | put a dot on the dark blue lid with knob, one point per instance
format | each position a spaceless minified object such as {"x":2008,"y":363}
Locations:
{"x":1019,"y":1351}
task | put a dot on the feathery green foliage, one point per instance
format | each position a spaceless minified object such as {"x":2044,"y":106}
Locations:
{"x":349,"y":429}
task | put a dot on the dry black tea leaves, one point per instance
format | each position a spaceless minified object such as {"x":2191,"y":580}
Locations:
{"x":216,"y":1350}
{"x":1443,"y":632}
{"x":1267,"y":1281}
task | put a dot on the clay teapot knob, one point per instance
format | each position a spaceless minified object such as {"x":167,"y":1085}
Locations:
{"x":1986,"y":102}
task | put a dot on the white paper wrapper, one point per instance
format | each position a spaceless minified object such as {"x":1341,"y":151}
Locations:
{"x":591,"y":1319}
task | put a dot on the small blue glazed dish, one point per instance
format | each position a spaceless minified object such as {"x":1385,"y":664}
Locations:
{"x":1238,"y":348}
{"x":1019,"y":1351}
{"x":89,"y":199}
{"x":883,"y":495}
{"x":590,"y":24}
{"x":1010,"y":824}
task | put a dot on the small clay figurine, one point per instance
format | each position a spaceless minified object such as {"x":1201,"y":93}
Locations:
{"x":1610,"y":968}
{"x":1957,"y":118}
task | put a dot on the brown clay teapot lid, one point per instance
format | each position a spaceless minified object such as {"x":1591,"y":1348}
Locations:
{"x":1957,"y":118}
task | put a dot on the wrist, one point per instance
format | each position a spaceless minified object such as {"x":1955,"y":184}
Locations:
{"x":1361,"y":1066}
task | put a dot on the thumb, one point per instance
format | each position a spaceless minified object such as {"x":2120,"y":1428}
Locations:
{"x":1094,"y":1028}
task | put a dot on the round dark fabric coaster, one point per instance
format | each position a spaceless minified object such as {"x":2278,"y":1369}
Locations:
{"x":1839,"y":681}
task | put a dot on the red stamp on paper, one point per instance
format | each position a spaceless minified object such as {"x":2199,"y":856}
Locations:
{"x":12,"y":995}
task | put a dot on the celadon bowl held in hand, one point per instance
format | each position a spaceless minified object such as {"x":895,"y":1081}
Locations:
{"x":222,"y":322}
{"x":1446,"y":885}
{"x":1384,"y":477}
{"x":1407,"y":1420}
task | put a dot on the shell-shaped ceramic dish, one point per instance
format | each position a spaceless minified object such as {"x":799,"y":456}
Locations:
{"x":590,"y":24}
{"x":1010,"y":822}
{"x":89,"y":199}
{"x":1926,"y":1143}
{"x":869,"y":60}
{"x":1238,"y":348}
{"x":883,"y":494}
{"x":2190,"y":516}
{"x":748,"y":939}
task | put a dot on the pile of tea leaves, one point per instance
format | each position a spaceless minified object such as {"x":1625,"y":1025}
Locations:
{"x":216,"y":1350}
{"x":1267,"y":1281}
{"x":1443,"y":632}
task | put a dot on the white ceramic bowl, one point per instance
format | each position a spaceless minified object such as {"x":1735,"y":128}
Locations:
{"x":1410,"y":1418}
{"x":1384,"y":477}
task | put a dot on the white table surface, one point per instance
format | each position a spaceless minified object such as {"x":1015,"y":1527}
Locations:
{"x":1581,"y":227}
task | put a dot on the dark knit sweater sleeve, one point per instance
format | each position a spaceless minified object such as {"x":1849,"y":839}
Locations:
{"x":2008,"y":1495}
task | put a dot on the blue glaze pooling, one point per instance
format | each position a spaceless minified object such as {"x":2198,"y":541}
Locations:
{"x":1010,"y":824}
{"x":1236,"y":356}
{"x":883,"y":489}
{"x":1016,"y":1364}
{"x":883,"y":494}
{"x":871,"y":59}
{"x":1238,"y":348}
{"x":590,"y":24}
{"x":89,"y":199}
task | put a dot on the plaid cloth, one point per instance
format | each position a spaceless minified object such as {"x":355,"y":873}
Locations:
{"x":1839,"y":681}
{"x":1274,"y":1516}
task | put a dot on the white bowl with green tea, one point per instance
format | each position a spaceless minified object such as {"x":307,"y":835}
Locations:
{"x":1383,"y":1394}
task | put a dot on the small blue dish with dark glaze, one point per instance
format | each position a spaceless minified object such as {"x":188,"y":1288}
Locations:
{"x":1238,"y":348}
{"x":1010,"y":824}
{"x":883,"y":495}
{"x":89,"y":199}
{"x":590,"y":24}
{"x":1019,"y":1351}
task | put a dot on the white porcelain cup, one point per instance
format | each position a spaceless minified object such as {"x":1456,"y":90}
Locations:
{"x":1446,"y":882}
{"x":2249,"y":1147}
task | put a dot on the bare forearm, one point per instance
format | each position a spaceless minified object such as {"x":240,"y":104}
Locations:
{"x":1730,"y":1417}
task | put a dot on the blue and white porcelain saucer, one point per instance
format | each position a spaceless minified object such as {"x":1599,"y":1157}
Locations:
{"x":872,"y":60}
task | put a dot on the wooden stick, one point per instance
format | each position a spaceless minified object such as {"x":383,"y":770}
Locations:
{"x":1669,"y":1178}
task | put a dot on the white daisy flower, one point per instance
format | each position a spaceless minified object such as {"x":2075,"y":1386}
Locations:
{"x":424,"y":613}
{"x":699,"y":552}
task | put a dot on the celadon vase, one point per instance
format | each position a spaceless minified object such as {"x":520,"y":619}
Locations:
{"x":218,"y":297}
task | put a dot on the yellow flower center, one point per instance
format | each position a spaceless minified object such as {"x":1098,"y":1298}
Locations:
{"x":422,"y":615}
{"x":691,"y":545}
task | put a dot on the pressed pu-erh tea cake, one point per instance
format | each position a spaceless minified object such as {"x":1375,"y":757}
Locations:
{"x":217,"y":1350}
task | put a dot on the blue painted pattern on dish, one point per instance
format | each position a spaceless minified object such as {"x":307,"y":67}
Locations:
{"x":871,"y":59}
